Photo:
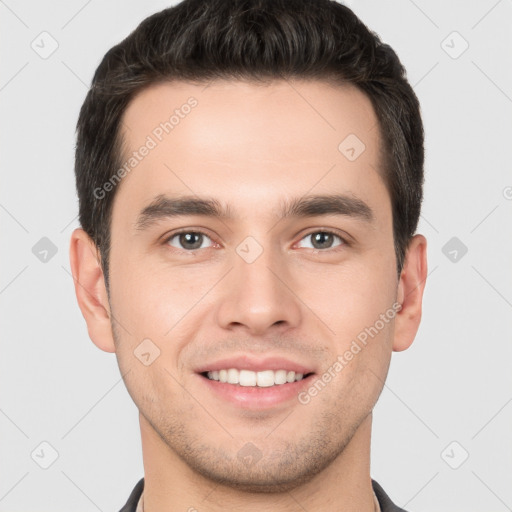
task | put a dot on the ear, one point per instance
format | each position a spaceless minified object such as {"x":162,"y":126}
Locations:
{"x":90,"y":289}
{"x":410,"y":293}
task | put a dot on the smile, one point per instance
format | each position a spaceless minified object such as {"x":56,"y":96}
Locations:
{"x":248,"y":378}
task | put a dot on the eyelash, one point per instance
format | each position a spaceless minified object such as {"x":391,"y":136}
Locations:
{"x":345,"y":242}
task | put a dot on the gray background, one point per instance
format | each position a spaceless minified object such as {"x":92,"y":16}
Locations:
{"x":446,"y":398}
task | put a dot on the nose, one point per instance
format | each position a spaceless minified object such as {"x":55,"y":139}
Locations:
{"x":258,"y":296}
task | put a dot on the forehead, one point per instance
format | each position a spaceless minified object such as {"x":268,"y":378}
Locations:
{"x":294,"y":110}
{"x":240,"y":139}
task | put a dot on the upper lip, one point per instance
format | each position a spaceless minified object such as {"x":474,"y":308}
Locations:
{"x":255,"y":364}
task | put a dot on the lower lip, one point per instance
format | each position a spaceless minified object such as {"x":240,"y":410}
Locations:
{"x":254,"y":397}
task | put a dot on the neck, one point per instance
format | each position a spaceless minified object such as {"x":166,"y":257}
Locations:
{"x":169,"y":484}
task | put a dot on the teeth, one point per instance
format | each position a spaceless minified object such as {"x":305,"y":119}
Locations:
{"x":233,"y":376}
{"x":280,"y":377}
{"x":263,"y":379}
{"x":247,"y":378}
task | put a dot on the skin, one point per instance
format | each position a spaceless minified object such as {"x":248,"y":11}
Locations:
{"x":251,"y":146}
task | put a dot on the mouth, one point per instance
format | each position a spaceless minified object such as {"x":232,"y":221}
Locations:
{"x":260,"y":379}
{"x":257,"y":384}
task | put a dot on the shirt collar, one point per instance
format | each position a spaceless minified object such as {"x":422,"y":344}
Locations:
{"x":140,"y":503}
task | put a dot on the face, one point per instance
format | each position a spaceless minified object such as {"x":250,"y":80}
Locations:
{"x":252,"y":242}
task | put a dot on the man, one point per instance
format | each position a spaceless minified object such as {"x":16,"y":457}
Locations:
{"x":250,"y":180}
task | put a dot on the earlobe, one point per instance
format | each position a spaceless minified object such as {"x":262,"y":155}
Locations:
{"x":90,"y":289}
{"x":410,"y":293}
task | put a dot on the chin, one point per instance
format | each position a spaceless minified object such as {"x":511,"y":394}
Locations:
{"x":276,"y":471}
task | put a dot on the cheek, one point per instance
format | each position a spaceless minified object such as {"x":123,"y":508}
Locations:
{"x":351,"y":304}
{"x":159,"y":304}
{"x":147,"y":345}
{"x":349,"y":298}
{"x":146,"y":299}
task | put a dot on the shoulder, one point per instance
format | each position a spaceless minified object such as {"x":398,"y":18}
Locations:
{"x":386,"y":505}
{"x":131,"y":504}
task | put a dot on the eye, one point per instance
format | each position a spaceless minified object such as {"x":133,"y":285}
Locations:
{"x":323,"y":240}
{"x":188,"y":240}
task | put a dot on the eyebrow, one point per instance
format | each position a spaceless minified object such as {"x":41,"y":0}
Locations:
{"x":163,"y":207}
